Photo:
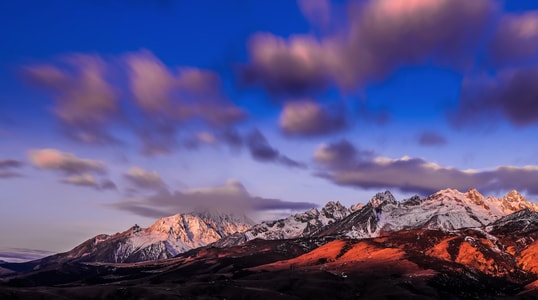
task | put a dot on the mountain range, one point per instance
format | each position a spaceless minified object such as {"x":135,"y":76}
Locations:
{"x":450,"y":244}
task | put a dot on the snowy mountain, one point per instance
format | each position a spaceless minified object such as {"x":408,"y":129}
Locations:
{"x":164,"y":239}
{"x":445,"y":210}
{"x":301,"y":224}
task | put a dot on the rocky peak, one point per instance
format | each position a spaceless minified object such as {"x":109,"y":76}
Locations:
{"x":356,"y":207}
{"x":514,"y":201}
{"x":475,"y":196}
{"x":334,"y":210}
{"x":220,"y":216}
{"x":414,"y":200}
{"x":514,"y":196}
{"x":382,"y":199}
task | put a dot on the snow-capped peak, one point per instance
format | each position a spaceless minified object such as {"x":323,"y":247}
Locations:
{"x":334,"y":210}
{"x":447,"y":209}
{"x":166,"y":238}
{"x":382,"y":199}
{"x":475,"y":197}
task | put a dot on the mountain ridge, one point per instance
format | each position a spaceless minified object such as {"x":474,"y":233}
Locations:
{"x":446,"y":210}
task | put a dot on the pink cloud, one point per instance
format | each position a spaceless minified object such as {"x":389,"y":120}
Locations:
{"x":84,"y":100}
{"x":52,"y":159}
{"x":380,"y":36}
{"x":316,"y":11}
{"x":516,"y":38}
{"x":307,"y":118}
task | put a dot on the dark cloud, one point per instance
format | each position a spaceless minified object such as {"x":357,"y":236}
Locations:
{"x":85,"y":100}
{"x":230,"y":197}
{"x":339,"y":154}
{"x":107,"y":184}
{"x":417,"y":175}
{"x":7,"y":166}
{"x":144,"y":179}
{"x":516,"y":39}
{"x":430,"y":138}
{"x":10,"y":163}
{"x":17,"y":255}
{"x":260,"y":150}
{"x":381,"y":35}
{"x":232,"y":138}
{"x":293,"y":66}
{"x":307,"y":118}
{"x":512,"y":95}
{"x":88,"y":180}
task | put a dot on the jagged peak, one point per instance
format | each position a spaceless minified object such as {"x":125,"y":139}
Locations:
{"x":514,"y":196}
{"x":312,"y":212}
{"x":217,"y":215}
{"x":448,"y":192}
{"x":356,"y":207}
{"x":474,"y":193}
{"x":476,"y":197}
{"x":331,"y":205}
{"x":381,"y":198}
{"x":413,"y":200}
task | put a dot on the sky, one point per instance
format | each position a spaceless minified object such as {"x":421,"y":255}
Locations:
{"x":115,"y":113}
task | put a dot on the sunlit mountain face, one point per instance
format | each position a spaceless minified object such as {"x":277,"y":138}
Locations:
{"x":245,"y":140}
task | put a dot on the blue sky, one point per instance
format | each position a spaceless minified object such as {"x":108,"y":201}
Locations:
{"x":118,"y":112}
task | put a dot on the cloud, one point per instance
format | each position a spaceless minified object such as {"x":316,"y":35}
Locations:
{"x":78,"y":171}
{"x":380,"y":36}
{"x":7,"y":166}
{"x":339,"y":154}
{"x":418,"y":175}
{"x":232,"y":138}
{"x":84,"y":100}
{"x":260,"y":150}
{"x":138,"y":93}
{"x":307,"y":118}
{"x":231,"y":196}
{"x":316,"y":11}
{"x":430,"y":138}
{"x":206,"y":138}
{"x":89,"y":180}
{"x":168,"y":99}
{"x":10,"y":163}
{"x":293,"y":66}
{"x":18,"y":255}
{"x":144,"y":179}
{"x":511,"y":95}
{"x":68,"y":163}
{"x":516,"y":38}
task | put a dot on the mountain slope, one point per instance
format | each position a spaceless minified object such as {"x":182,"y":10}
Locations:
{"x":301,"y":224}
{"x":445,"y":210}
{"x":407,"y":264}
{"x":164,"y":239}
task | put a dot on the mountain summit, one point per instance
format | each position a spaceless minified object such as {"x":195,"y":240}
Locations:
{"x":166,"y":238}
{"x":445,"y":210}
